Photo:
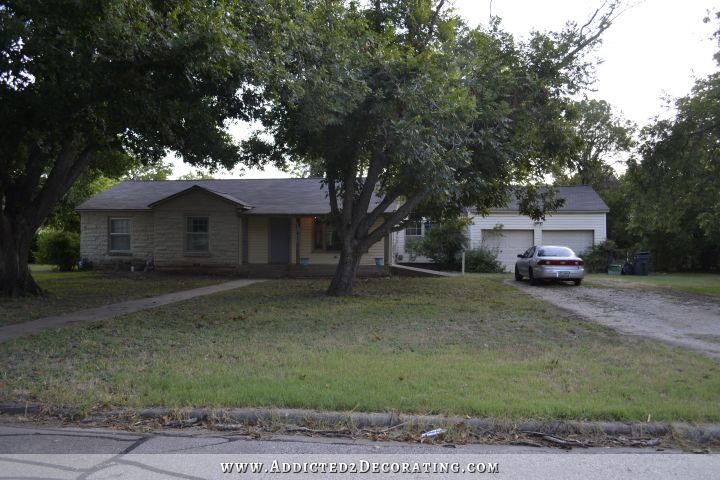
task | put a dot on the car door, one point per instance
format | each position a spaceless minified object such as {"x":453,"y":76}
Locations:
{"x":524,"y":262}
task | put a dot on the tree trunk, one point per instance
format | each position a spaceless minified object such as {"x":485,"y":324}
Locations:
{"x":15,"y":278}
{"x":344,"y":280}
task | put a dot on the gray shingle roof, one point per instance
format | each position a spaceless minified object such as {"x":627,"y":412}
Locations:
{"x":578,"y":198}
{"x":281,"y":196}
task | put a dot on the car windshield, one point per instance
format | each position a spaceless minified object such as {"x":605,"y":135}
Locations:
{"x":555,"y":252}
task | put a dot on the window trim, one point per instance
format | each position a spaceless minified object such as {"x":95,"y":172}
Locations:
{"x":129,"y":234}
{"x":186,"y":233}
{"x":318,"y":221}
{"x":418,"y":227}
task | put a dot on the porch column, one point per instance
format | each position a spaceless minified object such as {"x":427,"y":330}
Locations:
{"x":297,"y":240}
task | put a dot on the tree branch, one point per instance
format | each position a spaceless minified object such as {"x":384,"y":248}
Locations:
{"x":394,"y":219}
{"x":378,"y":161}
{"x":66,"y":170}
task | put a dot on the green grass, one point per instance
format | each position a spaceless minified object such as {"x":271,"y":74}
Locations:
{"x":465,"y":346}
{"x":704,"y":283}
{"x":71,"y":291}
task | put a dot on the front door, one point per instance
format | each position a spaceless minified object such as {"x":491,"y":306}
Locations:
{"x":280,"y":240}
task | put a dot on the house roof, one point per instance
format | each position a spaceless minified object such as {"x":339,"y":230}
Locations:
{"x":280,"y":196}
{"x":195,"y":188}
{"x":578,"y":198}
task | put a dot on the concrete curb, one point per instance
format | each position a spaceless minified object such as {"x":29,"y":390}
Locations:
{"x":703,"y":434}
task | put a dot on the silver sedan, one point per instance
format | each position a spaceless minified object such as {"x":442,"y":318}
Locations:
{"x":548,"y":262}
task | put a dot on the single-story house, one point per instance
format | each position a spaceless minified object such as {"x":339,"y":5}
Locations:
{"x":253,"y":227}
{"x":579,"y":224}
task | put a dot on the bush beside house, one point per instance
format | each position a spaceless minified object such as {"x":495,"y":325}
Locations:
{"x":58,"y":248}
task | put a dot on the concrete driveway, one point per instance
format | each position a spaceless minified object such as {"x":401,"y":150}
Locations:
{"x":681,"y":319}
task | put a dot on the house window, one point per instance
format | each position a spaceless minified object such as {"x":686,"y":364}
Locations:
{"x":197,"y":235}
{"x":120,"y":235}
{"x":413,"y":229}
{"x":325,"y":236}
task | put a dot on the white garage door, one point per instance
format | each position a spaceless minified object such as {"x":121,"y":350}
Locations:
{"x":508,"y":244}
{"x":577,"y":240}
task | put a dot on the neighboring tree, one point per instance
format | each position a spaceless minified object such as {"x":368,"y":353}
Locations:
{"x":64,"y":217}
{"x":603,"y":139}
{"x":398,"y":98}
{"x":675,"y":190}
{"x":93,"y":181}
{"x":197,"y":175}
{"x":83,"y":83}
{"x":148,"y":172}
{"x":617,"y":198}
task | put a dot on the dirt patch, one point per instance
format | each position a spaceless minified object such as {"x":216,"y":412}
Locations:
{"x":685,"y":320}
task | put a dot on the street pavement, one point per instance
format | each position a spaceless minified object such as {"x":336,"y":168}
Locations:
{"x":49,"y":452}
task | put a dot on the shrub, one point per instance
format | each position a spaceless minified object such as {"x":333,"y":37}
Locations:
{"x":597,"y":257}
{"x":482,"y":260}
{"x":58,"y":248}
{"x":443,"y":243}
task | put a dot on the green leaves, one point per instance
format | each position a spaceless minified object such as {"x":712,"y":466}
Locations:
{"x":674,"y":192}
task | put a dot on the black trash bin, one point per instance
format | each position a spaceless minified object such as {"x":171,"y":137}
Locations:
{"x":641,"y":263}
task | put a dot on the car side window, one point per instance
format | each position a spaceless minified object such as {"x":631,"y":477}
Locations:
{"x":529,"y":252}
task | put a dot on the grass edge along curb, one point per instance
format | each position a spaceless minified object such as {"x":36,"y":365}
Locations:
{"x":696,"y":433}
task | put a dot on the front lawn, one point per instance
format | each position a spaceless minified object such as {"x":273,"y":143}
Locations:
{"x":465,"y":345}
{"x":704,"y":283}
{"x":71,"y":291}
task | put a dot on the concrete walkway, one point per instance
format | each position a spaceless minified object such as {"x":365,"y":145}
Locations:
{"x":106,"y":312}
{"x":407,"y":271}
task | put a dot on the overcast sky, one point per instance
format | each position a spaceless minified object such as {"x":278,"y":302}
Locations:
{"x":654,"y":50}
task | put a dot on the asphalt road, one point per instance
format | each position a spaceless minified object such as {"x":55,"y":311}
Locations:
{"x":37,"y":452}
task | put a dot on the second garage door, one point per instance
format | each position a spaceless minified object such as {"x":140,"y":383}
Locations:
{"x":508,"y":244}
{"x":577,"y":240}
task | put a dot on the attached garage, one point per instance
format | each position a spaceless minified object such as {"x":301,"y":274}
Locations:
{"x":508,"y":244}
{"x":578,"y":240}
{"x":579,"y":223}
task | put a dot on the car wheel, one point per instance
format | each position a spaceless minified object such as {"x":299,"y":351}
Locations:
{"x":577,"y":282}
{"x":518,"y":277}
{"x":533,"y":280}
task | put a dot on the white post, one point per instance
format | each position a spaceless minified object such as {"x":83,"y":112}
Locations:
{"x":463,"y":262}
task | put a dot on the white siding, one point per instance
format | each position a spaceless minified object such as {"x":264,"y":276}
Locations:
{"x":577,"y":240}
{"x":562,"y":221}
{"x":558,"y":221}
{"x":508,"y":244}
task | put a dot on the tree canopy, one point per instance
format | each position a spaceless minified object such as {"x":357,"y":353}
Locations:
{"x":84,"y":84}
{"x":603,"y":139}
{"x":674,"y":193}
{"x":400,"y":98}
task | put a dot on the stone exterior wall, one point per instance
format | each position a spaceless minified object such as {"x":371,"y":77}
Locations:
{"x":170,"y":226}
{"x":160,"y":235}
{"x":95,"y":244}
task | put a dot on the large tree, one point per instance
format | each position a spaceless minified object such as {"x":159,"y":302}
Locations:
{"x":399,"y":98}
{"x":83,"y":82}
{"x":603,"y":139}
{"x":674,"y":190}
